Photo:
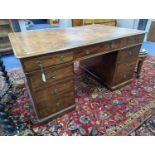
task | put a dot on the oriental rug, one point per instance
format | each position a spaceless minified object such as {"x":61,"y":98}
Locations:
{"x":99,"y":111}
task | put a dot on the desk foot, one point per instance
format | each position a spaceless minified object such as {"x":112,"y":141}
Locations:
{"x":55,"y":115}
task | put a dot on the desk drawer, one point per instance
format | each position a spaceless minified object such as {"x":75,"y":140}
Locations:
{"x":31,"y":64}
{"x":127,"y":41}
{"x":128,"y":55}
{"x":53,"y":75}
{"x":92,"y":49}
{"x":47,"y":103}
{"x":63,"y":87}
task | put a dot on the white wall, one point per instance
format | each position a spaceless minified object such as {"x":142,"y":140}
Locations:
{"x":65,"y":23}
{"x":147,"y":28}
{"x":22,"y":25}
{"x":128,"y":23}
{"x":133,"y":23}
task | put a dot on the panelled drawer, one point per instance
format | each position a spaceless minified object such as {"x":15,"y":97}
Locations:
{"x":53,"y":75}
{"x":31,"y":64}
{"x":124,"y":72}
{"x":92,"y":49}
{"x":127,"y":41}
{"x":63,"y":86}
{"x":47,"y":103}
{"x":128,"y":55}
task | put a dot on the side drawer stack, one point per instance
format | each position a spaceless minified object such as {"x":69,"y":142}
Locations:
{"x":51,"y":83}
{"x":125,"y":64}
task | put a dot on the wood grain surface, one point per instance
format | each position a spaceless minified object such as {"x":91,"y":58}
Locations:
{"x":34,"y":43}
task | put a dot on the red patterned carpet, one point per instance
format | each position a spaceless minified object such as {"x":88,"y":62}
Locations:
{"x":127,"y":111}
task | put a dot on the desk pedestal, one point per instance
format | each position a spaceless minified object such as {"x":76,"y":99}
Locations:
{"x":114,"y":69}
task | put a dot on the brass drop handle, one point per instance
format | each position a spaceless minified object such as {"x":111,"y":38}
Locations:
{"x":87,"y":52}
{"x":53,"y":75}
{"x":55,"y":91}
{"x":43,"y":76}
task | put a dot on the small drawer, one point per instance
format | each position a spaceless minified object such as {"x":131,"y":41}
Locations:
{"x":118,"y":43}
{"x":129,"y":54}
{"x":134,"y":40}
{"x":92,"y":49}
{"x":122,"y":43}
{"x":31,"y":64}
{"x":126,"y":42}
{"x":139,"y":38}
{"x":47,"y":103}
{"x":52,"y":75}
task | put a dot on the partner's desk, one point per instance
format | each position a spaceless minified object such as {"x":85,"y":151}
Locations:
{"x":47,"y":57}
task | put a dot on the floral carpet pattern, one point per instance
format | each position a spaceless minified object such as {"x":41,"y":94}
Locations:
{"x":99,"y":111}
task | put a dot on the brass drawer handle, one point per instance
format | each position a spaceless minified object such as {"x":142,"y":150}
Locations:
{"x":43,"y":76}
{"x":87,"y":52}
{"x":53,"y":77}
{"x":55,"y":91}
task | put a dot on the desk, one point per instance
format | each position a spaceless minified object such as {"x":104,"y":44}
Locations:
{"x":47,"y":58}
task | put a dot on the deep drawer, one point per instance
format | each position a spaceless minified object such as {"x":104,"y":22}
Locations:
{"x":47,"y":103}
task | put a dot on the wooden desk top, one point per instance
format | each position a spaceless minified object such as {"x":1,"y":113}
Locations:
{"x":34,"y":43}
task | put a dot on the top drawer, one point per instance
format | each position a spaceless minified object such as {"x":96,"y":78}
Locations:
{"x":31,"y":64}
{"x":104,"y":47}
{"x":127,"y":41}
{"x":91,"y":50}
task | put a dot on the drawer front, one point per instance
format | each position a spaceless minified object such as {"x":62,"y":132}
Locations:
{"x":92,"y":49}
{"x":46,"y":61}
{"x":53,"y":75}
{"x":127,"y":41}
{"x":108,"y":46}
{"x":124,"y":72}
{"x":129,"y":54}
{"x":47,"y":103}
{"x":63,"y":87}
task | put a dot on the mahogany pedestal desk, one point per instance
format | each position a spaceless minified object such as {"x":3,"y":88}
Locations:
{"x":47,"y":57}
